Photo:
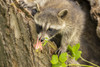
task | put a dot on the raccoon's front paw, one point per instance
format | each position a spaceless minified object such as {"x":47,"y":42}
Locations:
{"x":60,"y":50}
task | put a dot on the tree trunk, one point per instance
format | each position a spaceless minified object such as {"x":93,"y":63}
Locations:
{"x":95,"y":14}
{"x":94,"y":10}
{"x":18,"y":34}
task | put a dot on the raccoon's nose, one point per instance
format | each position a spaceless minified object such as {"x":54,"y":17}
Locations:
{"x":41,"y":39}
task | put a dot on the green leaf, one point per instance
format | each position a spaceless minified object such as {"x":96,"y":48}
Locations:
{"x":77,"y":55}
{"x":75,"y":51}
{"x":46,"y":38}
{"x":59,"y":65}
{"x":54,"y":59}
{"x":63,"y":57}
{"x":89,"y":66}
{"x":63,"y":65}
{"x":69,"y":48}
{"x":45,"y":42}
{"x":76,"y":47}
{"x":56,"y":65}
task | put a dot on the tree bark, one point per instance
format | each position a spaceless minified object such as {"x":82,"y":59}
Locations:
{"x":95,"y":14}
{"x":18,"y":34}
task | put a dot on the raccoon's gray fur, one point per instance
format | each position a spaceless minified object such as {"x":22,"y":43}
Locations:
{"x":60,"y":17}
{"x":65,"y":17}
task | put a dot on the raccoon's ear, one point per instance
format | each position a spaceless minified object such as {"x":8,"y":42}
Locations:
{"x":63,"y":13}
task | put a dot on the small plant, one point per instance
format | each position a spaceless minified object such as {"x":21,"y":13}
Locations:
{"x":45,"y":41}
{"x":39,"y":45}
{"x":75,"y":54}
{"x":59,"y":62}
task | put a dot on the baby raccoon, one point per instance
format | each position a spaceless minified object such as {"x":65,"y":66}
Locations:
{"x":30,"y":5}
{"x":54,"y":17}
{"x":65,"y":17}
{"x":59,"y":17}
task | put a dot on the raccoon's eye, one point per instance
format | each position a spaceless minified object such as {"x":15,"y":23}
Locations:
{"x":38,"y":28}
{"x":50,"y":29}
{"x":34,"y":11}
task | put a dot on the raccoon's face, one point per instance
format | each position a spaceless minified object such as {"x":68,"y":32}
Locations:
{"x":49,"y":22}
{"x":45,"y":33}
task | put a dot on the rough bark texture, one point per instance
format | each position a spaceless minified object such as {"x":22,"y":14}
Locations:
{"x":95,"y":14}
{"x":93,"y":7}
{"x":17,"y":36}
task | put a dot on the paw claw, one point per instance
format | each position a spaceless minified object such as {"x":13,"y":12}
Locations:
{"x":60,"y":50}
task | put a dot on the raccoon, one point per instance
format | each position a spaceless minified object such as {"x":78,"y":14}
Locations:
{"x":31,"y":5}
{"x":65,"y":17}
{"x":60,"y":17}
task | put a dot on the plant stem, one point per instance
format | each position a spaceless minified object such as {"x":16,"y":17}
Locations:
{"x":89,"y":62}
{"x":78,"y":65}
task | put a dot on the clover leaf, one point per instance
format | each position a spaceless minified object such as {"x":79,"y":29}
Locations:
{"x":75,"y":51}
{"x":54,"y":59}
{"x":63,"y":57}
